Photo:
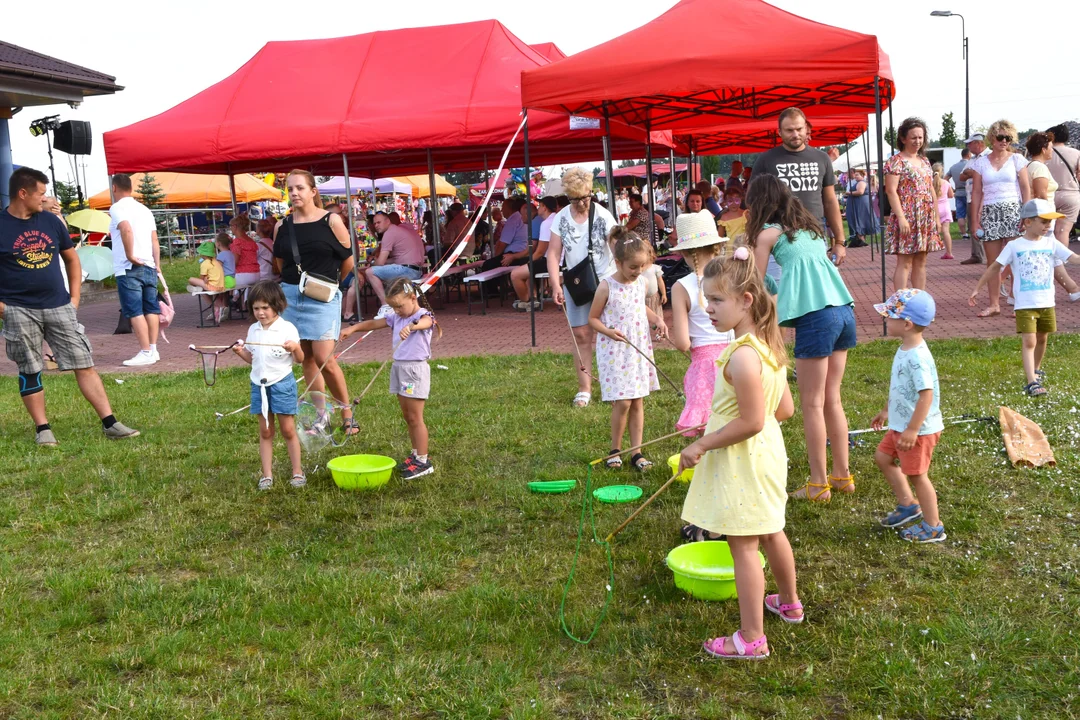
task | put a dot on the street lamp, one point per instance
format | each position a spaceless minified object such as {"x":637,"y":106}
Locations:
{"x":967,"y":86}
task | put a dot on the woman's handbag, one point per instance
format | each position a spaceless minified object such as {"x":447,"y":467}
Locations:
{"x":312,"y":286}
{"x":581,"y":280}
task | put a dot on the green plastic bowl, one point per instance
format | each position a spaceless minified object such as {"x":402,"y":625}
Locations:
{"x":552,"y":487}
{"x":705,"y":570}
{"x":686,"y":475}
{"x":361,"y":472}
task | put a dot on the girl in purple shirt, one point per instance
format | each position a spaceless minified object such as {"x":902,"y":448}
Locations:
{"x":410,"y":376}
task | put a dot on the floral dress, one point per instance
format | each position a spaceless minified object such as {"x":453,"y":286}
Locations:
{"x":915,"y":189}
{"x":624,"y":373}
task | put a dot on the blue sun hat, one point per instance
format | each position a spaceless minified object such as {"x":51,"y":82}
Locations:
{"x":909,"y":304}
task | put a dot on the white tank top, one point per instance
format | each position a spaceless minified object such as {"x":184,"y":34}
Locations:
{"x":701,"y":330}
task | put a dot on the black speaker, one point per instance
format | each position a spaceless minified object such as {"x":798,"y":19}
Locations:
{"x":73,"y":137}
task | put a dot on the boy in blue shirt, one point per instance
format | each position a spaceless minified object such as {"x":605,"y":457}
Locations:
{"x":913,"y":417}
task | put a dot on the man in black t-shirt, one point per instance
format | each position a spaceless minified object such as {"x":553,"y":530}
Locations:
{"x":36,"y":306}
{"x":807,"y":172}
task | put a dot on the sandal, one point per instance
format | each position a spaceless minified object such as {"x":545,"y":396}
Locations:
{"x":614,"y":462}
{"x":640,"y":463}
{"x":693,"y":533}
{"x":350,"y":426}
{"x":582,"y":399}
{"x":924,"y":533}
{"x":1040,"y":375}
{"x":842,"y":484}
{"x":266,"y":483}
{"x":772,"y":604}
{"x":988,"y":312}
{"x":1035,"y":389}
{"x":743,"y":649}
{"x":298,"y":480}
{"x":809,"y":494}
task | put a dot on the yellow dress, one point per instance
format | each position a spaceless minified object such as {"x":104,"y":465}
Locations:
{"x":734,"y":227}
{"x":742,"y":489}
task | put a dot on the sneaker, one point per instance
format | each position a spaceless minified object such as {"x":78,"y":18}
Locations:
{"x":902,"y":515}
{"x":415,"y":467}
{"x":156,"y":355}
{"x":537,"y":304}
{"x":218,"y":312}
{"x":965,"y":236}
{"x":145,"y":357}
{"x":266,"y":483}
{"x":405,"y":463}
{"x":1010,"y":300}
{"x":1073,"y":297}
{"x":521,"y":305}
{"x":971,"y":261}
{"x":119,"y":431}
{"x":384,"y":312}
{"x":298,"y":481}
{"x":45,"y":438}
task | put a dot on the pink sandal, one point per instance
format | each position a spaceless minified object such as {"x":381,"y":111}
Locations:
{"x":743,"y":650}
{"x":772,"y":604}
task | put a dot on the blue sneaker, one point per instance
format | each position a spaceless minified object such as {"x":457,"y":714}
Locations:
{"x":902,"y":515}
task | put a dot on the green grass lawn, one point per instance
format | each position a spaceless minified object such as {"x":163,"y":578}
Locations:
{"x":178,"y":270}
{"x":150,"y":579}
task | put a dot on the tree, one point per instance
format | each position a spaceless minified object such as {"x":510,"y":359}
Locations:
{"x":710,"y":165}
{"x":68,"y":195}
{"x":323,"y":178}
{"x":465,"y":178}
{"x":151,"y":195}
{"x":948,"y":131}
{"x":630,"y":163}
{"x":890,"y":136}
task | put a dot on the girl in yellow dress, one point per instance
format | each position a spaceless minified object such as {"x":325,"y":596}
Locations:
{"x":739,"y":487}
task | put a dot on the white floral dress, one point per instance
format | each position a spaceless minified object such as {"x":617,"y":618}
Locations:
{"x":624,"y":373}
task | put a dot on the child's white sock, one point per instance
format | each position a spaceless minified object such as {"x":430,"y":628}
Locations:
{"x":422,"y":458}
{"x":153,"y":348}
{"x":412,"y":452}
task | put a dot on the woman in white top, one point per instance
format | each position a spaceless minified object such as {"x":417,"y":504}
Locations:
{"x":998,"y":189}
{"x":1043,"y":186}
{"x":569,"y":245}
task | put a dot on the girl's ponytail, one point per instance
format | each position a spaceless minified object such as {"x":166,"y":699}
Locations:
{"x":737,"y":274}
{"x":409,"y":288}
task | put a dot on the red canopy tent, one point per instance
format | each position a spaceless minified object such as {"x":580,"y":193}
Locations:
{"x":638,"y":171}
{"x":760,"y":135}
{"x":754,"y":61}
{"x":474,"y":109}
{"x":549,"y":50}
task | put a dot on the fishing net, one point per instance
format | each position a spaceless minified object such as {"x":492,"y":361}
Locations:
{"x":208,"y":357}
{"x":319,"y":421}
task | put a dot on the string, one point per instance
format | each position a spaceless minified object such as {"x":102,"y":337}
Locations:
{"x":587,"y":506}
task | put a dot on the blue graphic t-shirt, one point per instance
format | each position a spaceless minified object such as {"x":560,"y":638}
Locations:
{"x":30,"y":274}
{"x":1032,"y":262}
{"x":913,"y":371}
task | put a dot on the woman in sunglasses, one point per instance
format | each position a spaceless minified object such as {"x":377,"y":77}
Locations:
{"x":999,"y":188}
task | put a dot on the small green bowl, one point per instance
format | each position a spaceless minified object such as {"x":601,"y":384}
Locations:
{"x":705,"y":570}
{"x":552,"y":487}
{"x":361,"y":472}
{"x":686,"y":475}
{"x":618,"y":493}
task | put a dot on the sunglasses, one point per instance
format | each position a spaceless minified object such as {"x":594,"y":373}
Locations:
{"x":581,"y":199}
{"x":1004,"y":138}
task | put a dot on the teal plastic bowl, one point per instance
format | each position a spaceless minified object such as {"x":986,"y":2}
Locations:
{"x":361,"y":472}
{"x":704,"y":570}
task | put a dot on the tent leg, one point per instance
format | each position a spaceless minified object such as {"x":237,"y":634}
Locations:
{"x":649,"y":179}
{"x":487,"y":194}
{"x":528,"y":224}
{"x":881,"y":187}
{"x":352,"y":237}
{"x":672,"y":178}
{"x":434,"y":206}
{"x":608,"y":170}
{"x":232,"y":193}
{"x":866,"y":161}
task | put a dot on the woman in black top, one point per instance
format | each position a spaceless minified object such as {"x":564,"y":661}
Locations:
{"x":324,"y":247}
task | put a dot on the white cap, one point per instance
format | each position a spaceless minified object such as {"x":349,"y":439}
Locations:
{"x":975,"y":136}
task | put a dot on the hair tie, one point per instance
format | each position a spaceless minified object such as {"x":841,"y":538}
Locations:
{"x":741,"y":253}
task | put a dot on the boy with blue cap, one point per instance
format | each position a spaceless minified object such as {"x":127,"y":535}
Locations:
{"x":913,"y":418}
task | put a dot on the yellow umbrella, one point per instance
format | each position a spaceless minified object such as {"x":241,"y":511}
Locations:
{"x":93,"y":221}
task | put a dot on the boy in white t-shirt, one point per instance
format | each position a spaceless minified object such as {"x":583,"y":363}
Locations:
{"x":1031,"y":257}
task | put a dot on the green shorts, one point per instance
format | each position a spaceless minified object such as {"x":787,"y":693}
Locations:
{"x":230,"y":282}
{"x":1036,"y":320}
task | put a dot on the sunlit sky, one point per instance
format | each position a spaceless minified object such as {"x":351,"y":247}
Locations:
{"x":163,"y":53}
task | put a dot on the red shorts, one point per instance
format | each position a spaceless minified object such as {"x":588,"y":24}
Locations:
{"x":915,"y":461}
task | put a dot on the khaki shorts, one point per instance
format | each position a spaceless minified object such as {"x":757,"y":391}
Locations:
{"x":410,"y":379}
{"x":1036,"y":320}
{"x":26,"y":328}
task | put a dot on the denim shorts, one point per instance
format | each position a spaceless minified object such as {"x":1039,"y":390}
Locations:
{"x":137,"y":289}
{"x":961,"y":207}
{"x":281,"y":397}
{"x":389,"y":273}
{"x":313,"y":319}
{"x":823,"y":332}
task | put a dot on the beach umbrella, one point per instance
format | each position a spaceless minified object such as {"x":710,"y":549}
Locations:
{"x":91,"y":221}
{"x":97,"y":262}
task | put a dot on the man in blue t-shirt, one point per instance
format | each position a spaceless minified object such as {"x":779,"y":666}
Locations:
{"x":36,"y":306}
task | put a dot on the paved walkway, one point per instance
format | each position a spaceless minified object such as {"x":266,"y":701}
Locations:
{"x":506,"y":332}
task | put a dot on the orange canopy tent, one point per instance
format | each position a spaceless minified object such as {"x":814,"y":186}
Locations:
{"x":422,"y":188}
{"x":199,"y":190}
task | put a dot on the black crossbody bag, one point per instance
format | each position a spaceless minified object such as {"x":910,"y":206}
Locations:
{"x":581,"y":280}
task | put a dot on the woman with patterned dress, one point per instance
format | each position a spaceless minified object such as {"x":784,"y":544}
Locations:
{"x":913,"y":227}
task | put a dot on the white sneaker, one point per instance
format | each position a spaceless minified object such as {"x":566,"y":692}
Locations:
{"x":384,"y":312}
{"x":143,"y":358}
{"x":154,"y":354}
{"x":1073,"y":297}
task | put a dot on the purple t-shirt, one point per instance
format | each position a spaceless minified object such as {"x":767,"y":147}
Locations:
{"x":418,"y":345}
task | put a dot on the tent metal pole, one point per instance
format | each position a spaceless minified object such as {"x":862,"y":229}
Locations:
{"x":672,"y":177}
{"x":881,"y":186}
{"x":528,"y":223}
{"x":608,"y":170}
{"x":352,"y":236}
{"x":374,"y":198}
{"x":691,"y":166}
{"x":487,"y":194}
{"x":866,"y":161}
{"x":434,"y":205}
{"x":232,"y":191}
{"x":649,"y":178}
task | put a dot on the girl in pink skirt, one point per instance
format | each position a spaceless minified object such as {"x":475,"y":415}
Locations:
{"x":691,"y":328}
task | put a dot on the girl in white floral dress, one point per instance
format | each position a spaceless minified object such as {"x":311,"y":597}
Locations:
{"x":622,"y":319}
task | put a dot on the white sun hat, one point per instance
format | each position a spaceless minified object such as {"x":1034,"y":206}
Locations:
{"x":696,"y":230}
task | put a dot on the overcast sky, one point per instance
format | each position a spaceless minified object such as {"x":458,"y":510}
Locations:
{"x":172,"y":51}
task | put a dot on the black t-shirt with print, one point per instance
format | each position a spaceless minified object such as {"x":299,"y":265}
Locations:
{"x":806,"y":173}
{"x":30,"y":274}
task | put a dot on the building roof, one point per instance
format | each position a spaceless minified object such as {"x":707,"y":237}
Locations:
{"x":31,"y":78}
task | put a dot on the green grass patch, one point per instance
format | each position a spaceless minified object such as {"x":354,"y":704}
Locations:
{"x":150,"y":579}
